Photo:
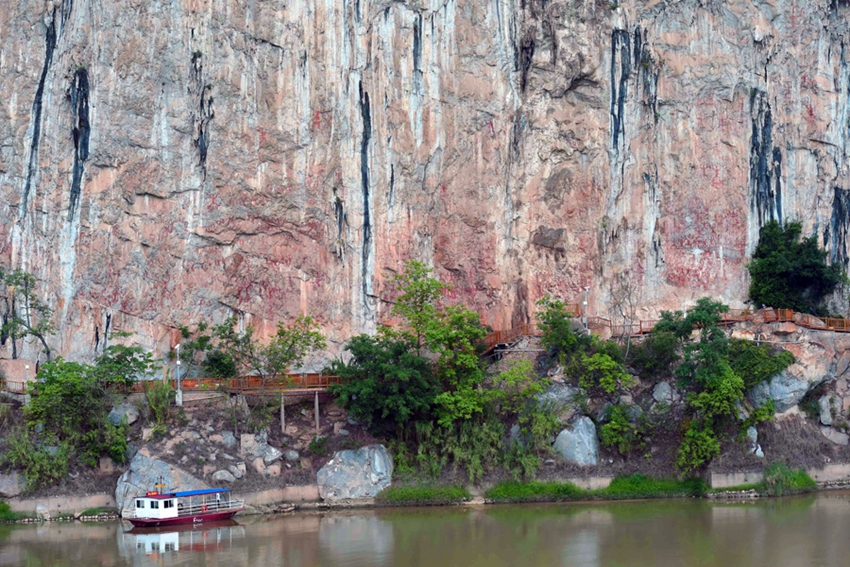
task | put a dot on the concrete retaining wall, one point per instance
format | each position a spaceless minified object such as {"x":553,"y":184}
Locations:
{"x":63,"y":504}
{"x":829,"y":473}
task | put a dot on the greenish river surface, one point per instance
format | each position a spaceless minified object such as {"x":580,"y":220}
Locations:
{"x":793,"y":532}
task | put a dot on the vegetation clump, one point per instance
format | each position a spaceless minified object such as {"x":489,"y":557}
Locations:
{"x":781,"y":480}
{"x":788,"y":272}
{"x":636,"y":486}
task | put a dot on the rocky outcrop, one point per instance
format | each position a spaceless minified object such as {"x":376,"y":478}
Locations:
{"x":12,"y":484}
{"x":281,"y":158}
{"x":579,"y":445}
{"x":785,"y":389}
{"x":145,"y":472}
{"x":664,"y":393}
{"x":121,"y":412}
{"x":356,"y":474}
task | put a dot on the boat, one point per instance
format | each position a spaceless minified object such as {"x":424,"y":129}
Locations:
{"x":158,"y":508}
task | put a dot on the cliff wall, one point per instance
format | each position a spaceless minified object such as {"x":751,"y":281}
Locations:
{"x":167,"y":161}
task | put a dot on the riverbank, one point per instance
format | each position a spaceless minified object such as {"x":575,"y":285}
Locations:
{"x":785,"y":481}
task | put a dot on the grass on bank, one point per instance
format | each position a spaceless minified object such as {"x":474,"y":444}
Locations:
{"x":424,"y":495}
{"x":99,"y":511}
{"x":779,"y":480}
{"x":7,"y":515}
{"x":635,"y":486}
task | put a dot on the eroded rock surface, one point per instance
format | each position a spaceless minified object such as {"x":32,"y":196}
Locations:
{"x":173,"y":162}
{"x":356,"y":474}
{"x":145,"y":472}
{"x":579,"y":445}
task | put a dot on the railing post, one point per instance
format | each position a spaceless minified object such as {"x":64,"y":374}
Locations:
{"x":282,"y":413}
{"x":316,"y":408}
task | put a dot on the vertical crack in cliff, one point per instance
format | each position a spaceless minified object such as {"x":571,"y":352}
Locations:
{"x":620,"y":73}
{"x":366,"y":245}
{"x":839,"y":226}
{"x":765,"y":163}
{"x":526,"y":55}
{"x":203,"y":113}
{"x":32,"y":166}
{"x":79,"y":95}
{"x":341,"y":219}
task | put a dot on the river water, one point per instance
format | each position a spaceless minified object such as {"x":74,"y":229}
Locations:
{"x":793,"y":532}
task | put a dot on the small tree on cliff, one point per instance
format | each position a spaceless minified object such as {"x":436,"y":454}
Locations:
{"x":25,"y":314}
{"x":790,"y":273}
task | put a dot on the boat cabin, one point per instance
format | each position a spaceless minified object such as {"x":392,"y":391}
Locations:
{"x":164,"y":505}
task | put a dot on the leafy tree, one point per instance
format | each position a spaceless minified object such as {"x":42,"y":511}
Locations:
{"x":219,"y":364}
{"x":385,"y":384}
{"x":789,"y":273}
{"x":656,"y":356}
{"x":418,"y":300}
{"x":601,"y":372}
{"x":26,"y":315}
{"x":618,"y":431}
{"x":699,"y":446}
{"x":123,"y":365}
{"x":556,"y":323}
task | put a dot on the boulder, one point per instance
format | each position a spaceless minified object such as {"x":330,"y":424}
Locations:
{"x":12,"y":484}
{"x":234,"y":470}
{"x":122,"y":411}
{"x":825,"y":407}
{"x":224,"y":476}
{"x":228,"y":439}
{"x":664,"y":393}
{"x":145,"y":472}
{"x":557,"y":397}
{"x":835,"y":436}
{"x":291,"y":455}
{"x":579,"y":445}
{"x":359,"y":473}
{"x":270,"y":454}
{"x":249,"y":446}
{"x":753,"y":439}
{"x":786,"y":389}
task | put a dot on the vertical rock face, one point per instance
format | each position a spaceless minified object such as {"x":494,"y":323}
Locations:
{"x":163,"y":162}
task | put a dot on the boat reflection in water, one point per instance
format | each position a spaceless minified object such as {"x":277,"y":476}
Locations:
{"x":152,"y":546}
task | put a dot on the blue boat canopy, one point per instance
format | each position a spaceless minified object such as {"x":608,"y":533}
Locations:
{"x":200,"y":492}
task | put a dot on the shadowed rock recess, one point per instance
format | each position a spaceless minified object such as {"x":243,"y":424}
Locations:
{"x":162,"y":163}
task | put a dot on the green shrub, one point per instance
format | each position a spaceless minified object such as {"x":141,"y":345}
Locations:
{"x":781,"y":480}
{"x":534,"y":491}
{"x":219,"y":364}
{"x":40,"y":466}
{"x":756,"y":363}
{"x":656,"y":356}
{"x":698,"y":448}
{"x":809,"y":404}
{"x":159,"y":396}
{"x":618,"y":431}
{"x":789,"y":273}
{"x":424,"y":495}
{"x":600,"y":371}
{"x":318,"y":446}
{"x":6,"y":514}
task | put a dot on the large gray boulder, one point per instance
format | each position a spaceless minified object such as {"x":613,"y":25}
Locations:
{"x":224,"y":476}
{"x":786,"y":389}
{"x":557,"y":397}
{"x":143,"y":475}
{"x":356,"y":474}
{"x":664,"y":393}
{"x":579,"y":445}
{"x":121,"y":411}
{"x":825,"y":407}
{"x":12,"y":484}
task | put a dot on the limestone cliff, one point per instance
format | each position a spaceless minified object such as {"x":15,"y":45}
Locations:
{"x":167,"y":161}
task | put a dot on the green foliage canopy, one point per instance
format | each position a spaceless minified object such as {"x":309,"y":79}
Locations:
{"x":788,"y":272}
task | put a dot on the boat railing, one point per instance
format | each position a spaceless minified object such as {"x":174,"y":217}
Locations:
{"x":196,"y":509}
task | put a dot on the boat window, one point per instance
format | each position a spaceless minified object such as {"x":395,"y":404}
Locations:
{"x":154,"y":504}
{"x":140,"y":503}
{"x":168,"y":504}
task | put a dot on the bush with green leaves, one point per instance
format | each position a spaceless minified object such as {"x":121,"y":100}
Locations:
{"x":122,"y":365}
{"x":756,"y":363}
{"x":558,"y":327}
{"x":656,"y":356}
{"x":42,"y":464}
{"x":385,"y":384}
{"x":618,"y":431}
{"x":788,"y":272}
{"x":699,"y":446}
{"x":159,"y":396}
{"x":780,"y":479}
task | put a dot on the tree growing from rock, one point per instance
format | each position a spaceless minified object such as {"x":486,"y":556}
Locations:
{"x":25,"y":313}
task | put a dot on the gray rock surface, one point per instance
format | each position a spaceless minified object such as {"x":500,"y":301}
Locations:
{"x":228,"y":439}
{"x":835,"y":436}
{"x":753,"y":439}
{"x":224,"y":476}
{"x":12,"y":484}
{"x":234,"y":470}
{"x":270,"y":454}
{"x":291,"y":455}
{"x":356,"y":474}
{"x":579,"y":445}
{"x":665,"y":393}
{"x":557,"y":397}
{"x":785,"y":389}
{"x":143,"y":474}
{"x":825,"y":407}
{"x":122,"y":411}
